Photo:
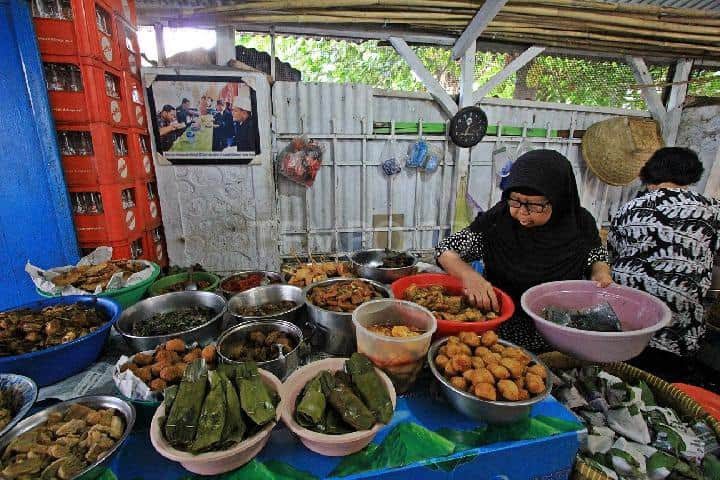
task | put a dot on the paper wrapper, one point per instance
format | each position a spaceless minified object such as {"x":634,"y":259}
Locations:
{"x":130,"y":385}
{"x":43,"y":278}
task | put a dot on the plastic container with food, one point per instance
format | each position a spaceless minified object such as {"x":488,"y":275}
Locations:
{"x":453,"y":287}
{"x":395,"y":335}
{"x":205,"y":281}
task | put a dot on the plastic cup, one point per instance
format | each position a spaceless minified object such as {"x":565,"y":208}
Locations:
{"x":400,"y":358}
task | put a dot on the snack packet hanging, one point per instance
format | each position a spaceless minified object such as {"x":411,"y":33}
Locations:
{"x":389,"y":159}
{"x":300,"y":161}
{"x":416,"y":154}
{"x":432,"y":159}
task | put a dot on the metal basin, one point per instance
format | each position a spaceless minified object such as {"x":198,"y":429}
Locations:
{"x":282,"y":366}
{"x":366,"y":264}
{"x":100,"y":401}
{"x":335,"y":330}
{"x":268,"y":294}
{"x":168,"y":302}
{"x":272,"y":277}
{"x":488,"y":411}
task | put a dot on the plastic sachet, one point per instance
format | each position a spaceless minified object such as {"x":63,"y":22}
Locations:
{"x":390,"y":159}
{"x":300,"y":161}
{"x":416,"y":154}
{"x":597,"y":318}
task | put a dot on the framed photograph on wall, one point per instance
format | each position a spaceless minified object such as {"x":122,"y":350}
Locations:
{"x":205,"y":117}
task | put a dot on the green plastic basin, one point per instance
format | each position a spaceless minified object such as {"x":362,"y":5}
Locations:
{"x":157,"y":287}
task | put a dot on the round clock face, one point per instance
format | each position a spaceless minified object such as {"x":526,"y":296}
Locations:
{"x":468,"y":126}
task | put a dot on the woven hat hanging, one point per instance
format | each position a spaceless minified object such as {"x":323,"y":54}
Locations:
{"x":616,"y":149}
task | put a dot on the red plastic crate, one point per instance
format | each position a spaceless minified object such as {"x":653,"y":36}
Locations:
{"x":103,"y":158}
{"x":109,"y":219}
{"x":88,"y":100}
{"x":131,"y":249}
{"x":141,"y":156}
{"x":148,"y":203}
{"x":155,"y":247}
{"x":133,"y":92}
{"x":81,"y":35}
{"x":129,"y":47}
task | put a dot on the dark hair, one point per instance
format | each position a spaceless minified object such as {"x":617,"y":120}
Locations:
{"x":168,"y":108}
{"x":227,"y":105}
{"x":185,"y":100}
{"x":678,"y":165}
{"x":220,"y":102}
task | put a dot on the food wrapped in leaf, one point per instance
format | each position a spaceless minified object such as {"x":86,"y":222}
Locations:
{"x":334,"y":424}
{"x":255,"y":399}
{"x":212,"y":416}
{"x":311,"y":408}
{"x":182,"y":422}
{"x":234,"y":424}
{"x":628,"y":422}
{"x":598,"y":318}
{"x":341,"y":397}
{"x":370,"y":386}
{"x":170,"y":393}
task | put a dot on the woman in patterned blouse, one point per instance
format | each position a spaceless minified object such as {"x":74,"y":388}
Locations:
{"x":663,"y":242}
{"x":537,"y":233}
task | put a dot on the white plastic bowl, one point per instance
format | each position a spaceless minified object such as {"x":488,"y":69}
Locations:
{"x":640,"y":314}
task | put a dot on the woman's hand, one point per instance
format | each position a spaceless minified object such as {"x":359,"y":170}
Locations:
{"x":601,"y":274}
{"x":479,"y":292}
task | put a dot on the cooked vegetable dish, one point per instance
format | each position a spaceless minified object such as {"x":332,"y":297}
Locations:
{"x":397,"y":331}
{"x":483,"y":367}
{"x":446,"y":307}
{"x":343,"y":296}
{"x":89,"y":277}
{"x":64,"y":445}
{"x":308,"y":273}
{"x":26,"y":330}
{"x":177,"y":321}
{"x":241,"y":283}
{"x":7,"y":407}
{"x":213,"y":410}
{"x":396,"y":260}
{"x":258,"y":346}
{"x":266,"y":309}
{"x":180,"y":286}
{"x":344,"y":401}
{"x":166,"y":365}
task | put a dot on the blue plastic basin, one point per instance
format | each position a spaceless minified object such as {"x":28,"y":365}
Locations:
{"x":56,"y":363}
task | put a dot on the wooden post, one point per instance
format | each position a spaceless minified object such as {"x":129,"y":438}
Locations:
{"x":160,"y":42}
{"x":678,"y":91}
{"x":482,"y":19}
{"x":522,"y":60}
{"x":272,"y":54}
{"x":433,"y":86}
{"x":712,"y":187}
{"x":225,"y":45}
{"x":652,"y":98}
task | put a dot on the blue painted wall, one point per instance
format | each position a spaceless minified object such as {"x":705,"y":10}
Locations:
{"x":35,"y":219}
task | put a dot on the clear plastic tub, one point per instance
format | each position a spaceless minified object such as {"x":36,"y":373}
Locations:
{"x":401,"y":358}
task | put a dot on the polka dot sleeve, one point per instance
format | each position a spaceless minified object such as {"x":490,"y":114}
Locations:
{"x":597,"y":254}
{"x":469,"y":245}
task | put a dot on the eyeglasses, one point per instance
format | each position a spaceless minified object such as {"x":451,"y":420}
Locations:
{"x":529,"y":207}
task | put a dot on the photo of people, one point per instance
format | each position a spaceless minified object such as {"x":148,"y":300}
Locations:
{"x":204,"y":120}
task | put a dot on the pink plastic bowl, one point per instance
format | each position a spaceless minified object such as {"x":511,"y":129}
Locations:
{"x":328,"y":445}
{"x":640,"y":313}
{"x":215,"y":463}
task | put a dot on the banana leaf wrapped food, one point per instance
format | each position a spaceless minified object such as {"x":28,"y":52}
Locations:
{"x":311,"y":407}
{"x":212,"y":417}
{"x":182,"y":422}
{"x":342,"y":398}
{"x":234,"y":424}
{"x":370,"y":386}
{"x":255,"y":399}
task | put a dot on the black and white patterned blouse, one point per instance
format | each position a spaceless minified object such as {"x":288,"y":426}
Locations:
{"x":663,"y":242}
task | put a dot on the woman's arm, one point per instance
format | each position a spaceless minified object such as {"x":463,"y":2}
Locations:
{"x":453,"y":255}
{"x":600,"y":271}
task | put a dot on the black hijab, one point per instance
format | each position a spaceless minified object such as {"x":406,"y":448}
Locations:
{"x":517,"y":258}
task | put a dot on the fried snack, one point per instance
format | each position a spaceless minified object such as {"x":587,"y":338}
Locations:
{"x":538,"y":370}
{"x":192,"y":356}
{"x":444,"y":305}
{"x":173,"y":373}
{"x":524,"y":395}
{"x":460,"y":363}
{"x":158,"y":385}
{"x":520,"y":382}
{"x":441,"y":360}
{"x":471,"y":339}
{"x":89,"y":277}
{"x":343,"y":296}
{"x":489,"y":338}
{"x":157,"y":367}
{"x":477,"y":362}
{"x":458,"y":349}
{"x":508,"y":390}
{"x":480,"y":375}
{"x":497,"y":348}
{"x":450,"y":371}
{"x":514,"y":367}
{"x":175,"y":345}
{"x":167,"y":356}
{"x":142,"y":359}
{"x":308,"y":273}
{"x":485,"y":391}
{"x":480,"y":351}
{"x":534,"y":383}
{"x":459,"y":382}
{"x":144,"y":374}
{"x":516,"y":353}
{"x":491,"y":359}
{"x":209,"y":354}
{"x":499,"y":372}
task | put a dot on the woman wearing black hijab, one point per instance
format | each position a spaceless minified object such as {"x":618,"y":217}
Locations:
{"x":537,"y":233}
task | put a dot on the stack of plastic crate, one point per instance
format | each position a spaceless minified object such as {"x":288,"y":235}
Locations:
{"x":91,"y":58}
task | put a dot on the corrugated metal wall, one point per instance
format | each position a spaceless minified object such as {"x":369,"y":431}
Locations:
{"x":351,"y":203}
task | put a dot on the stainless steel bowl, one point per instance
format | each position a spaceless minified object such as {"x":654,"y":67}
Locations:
{"x":367,"y":264}
{"x":488,"y":411}
{"x":268,"y":294}
{"x":282,"y":366}
{"x":273,"y":277}
{"x":335,"y":330}
{"x":168,"y":302}
{"x":99,"y":401}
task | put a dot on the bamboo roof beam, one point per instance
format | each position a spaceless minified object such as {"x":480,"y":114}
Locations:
{"x":480,"y":21}
{"x":523,"y":59}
